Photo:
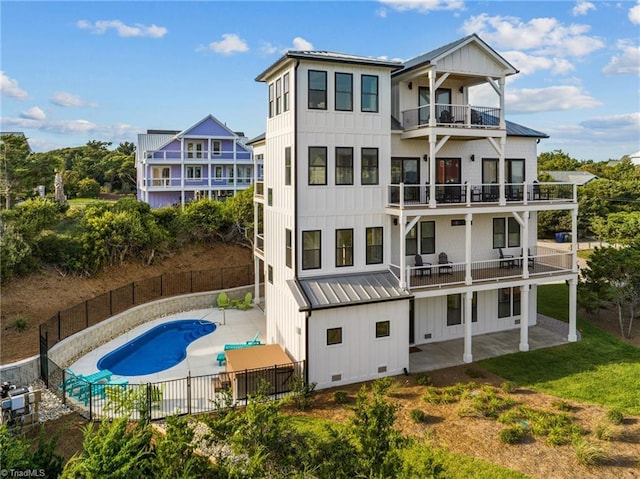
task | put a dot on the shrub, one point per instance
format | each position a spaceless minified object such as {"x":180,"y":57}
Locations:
{"x":513,"y":434}
{"x":615,"y":416}
{"x":418,"y":415}
{"x":301,"y":393}
{"x":20,"y":324}
{"x":604,"y":431}
{"x":509,"y":386}
{"x":340,"y":397}
{"x":88,"y":188}
{"x":563,"y":405}
{"x":423,"y":379}
{"x":588,"y":453}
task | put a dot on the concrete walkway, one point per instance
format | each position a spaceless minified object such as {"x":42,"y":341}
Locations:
{"x":549,"y":332}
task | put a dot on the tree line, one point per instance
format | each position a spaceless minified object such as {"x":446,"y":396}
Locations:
{"x":41,"y":231}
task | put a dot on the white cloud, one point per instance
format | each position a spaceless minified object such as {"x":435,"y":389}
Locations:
{"x":33,"y":113}
{"x":9,"y":87}
{"x":624,"y":121}
{"x":381,"y":12}
{"x":63,"y":98}
{"x":634,"y":14}
{"x":123,"y":30}
{"x":230,"y":43}
{"x":268,"y":48}
{"x":300,"y":43}
{"x":544,"y":36}
{"x":627,"y":62}
{"x":528,"y":64}
{"x":554,"y":98}
{"x":582,"y":7}
{"x":424,"y":6}
{"x":115,"y":132}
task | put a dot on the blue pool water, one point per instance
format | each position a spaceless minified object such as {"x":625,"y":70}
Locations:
{"x":158,"y":349}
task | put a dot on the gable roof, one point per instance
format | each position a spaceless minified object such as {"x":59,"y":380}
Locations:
{"x":578,"y":177}
{"x":434,"y":55}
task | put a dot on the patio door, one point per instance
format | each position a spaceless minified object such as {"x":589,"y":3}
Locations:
{"x":407,"y":171}
{"x":442,"y":100}
{"x":448,"y":179}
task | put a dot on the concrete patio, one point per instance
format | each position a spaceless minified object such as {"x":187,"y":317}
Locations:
{"x":547,"y":333}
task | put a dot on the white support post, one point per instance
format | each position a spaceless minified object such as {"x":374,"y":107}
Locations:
{"x":467,"y":248}
{"x":573,"y":297}
{"x":432,"y":169}
{"x":403,"y":259}
{"x":256,"y":280}
{"x":501,"y":171}
{"x":574,"y":240}
{"x":525,"y":244}
{"x":524,"y":317}
{"x":468,"y":305}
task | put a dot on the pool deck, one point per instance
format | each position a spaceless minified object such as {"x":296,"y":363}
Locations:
{"x":232,"y":326}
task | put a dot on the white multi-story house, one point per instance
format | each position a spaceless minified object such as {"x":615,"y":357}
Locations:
{"x":207,"y":160}
{"x":395,"y":213}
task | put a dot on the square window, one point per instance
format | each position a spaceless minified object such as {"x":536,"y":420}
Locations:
{"x":334,"y":336}
{"x":383,"y":329}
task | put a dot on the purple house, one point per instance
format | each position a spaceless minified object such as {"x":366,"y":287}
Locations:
{"x":207,"y":160}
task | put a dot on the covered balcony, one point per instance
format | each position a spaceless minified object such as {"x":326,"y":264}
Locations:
{"x":541,"y":262}
{"x":450,"y":115}
{"x":407,"y":196}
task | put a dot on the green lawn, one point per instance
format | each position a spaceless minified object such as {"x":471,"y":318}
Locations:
{"x":599,"y":369}
{"x":84,"y":202}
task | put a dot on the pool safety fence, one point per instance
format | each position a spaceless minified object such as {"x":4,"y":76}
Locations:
{"x":92,"y":311}
{"x":111,"y":397}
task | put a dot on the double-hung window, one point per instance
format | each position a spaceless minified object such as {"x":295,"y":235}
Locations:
{"x":374,"y":245}
{"x":216,"y":145}
{"x":344,"y":166}
{"x":278,"y":96}
{"x":194,"y":172}
{"x":369,"y":93}
{"x":344,"y":247}
{"x":317,"y":165}
{"x":506,"y":233}
{"x":271,"y":99}
{"x":508,"y":302}
{"x":427,"y":237}
{"x":317,"y":95}
{"x":288,"y":254}
{"x":344,"y":92}
{"x":217,"y":173}
{"x":311,"y":249}
{"x":285,"y":92}
{"x":369,"y":172}
{"x":287,"y":166}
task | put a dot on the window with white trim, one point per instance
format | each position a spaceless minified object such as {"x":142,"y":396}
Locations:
{"x":194,"y":172}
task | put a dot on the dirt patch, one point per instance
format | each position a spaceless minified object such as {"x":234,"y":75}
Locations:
{"x":37,"y":297}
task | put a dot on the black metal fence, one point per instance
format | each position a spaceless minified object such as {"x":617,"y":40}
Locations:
{"x":111,"y":398}
{"x":92,"y":311}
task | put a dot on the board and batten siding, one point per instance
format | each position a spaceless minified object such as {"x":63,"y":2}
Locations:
{"x":431,"y":317}
{"x":361,"y":354}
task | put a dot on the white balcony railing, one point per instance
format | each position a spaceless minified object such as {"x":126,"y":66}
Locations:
{"x":461,"y":116}
{"x":545,"y":262}
{"x":405,"y":195}
{"x":220,"y":156}
{"x":176,"y":182}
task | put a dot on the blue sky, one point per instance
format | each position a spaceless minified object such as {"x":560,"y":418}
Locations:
{"x":79,"y":71}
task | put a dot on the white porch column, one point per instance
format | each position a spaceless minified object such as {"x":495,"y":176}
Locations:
{"x":502,"y":171}
{"x":432,"y":167}
{"x":574,"y":240}
{"x":525,"y":244}
{"x":467,"y":357}
{"x":467,"y":248}
{"x":573,"y":298}
{"x":256,"y":279}
{"x":524,"y":317}
{"x":401,"y":234}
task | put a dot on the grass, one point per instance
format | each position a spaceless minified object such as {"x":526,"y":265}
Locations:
{"x":585,"y":253}
{"x":84,"y":202}
{"x":599,"y":369}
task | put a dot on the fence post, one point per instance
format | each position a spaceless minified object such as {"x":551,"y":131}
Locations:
{"x":133,"y":292}
{"x":189,"y":393}
{"x":149,"y":402}
{"x":64,"y":386}
{"x":86,"y":313}
{"x":111,"y":303}
{"x":59,"y":329}
{"x":161,"y":285}
{"x":191,"y":281}
{"x":90,"y":402}
{"x":275,"y":379}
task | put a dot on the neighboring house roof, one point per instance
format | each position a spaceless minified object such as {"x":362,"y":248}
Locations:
{"x":635,"y":158}
{"x":346,"y":290}
{"x":434,"y":55}
{"x":578,"y":177}
{"x":333,"y":57}
{"x":257,"y":139}
{"x":17,"y":133}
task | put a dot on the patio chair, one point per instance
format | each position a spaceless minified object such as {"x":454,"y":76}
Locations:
{"x":444,"y":265}
{"x":223,"y":301}
{"x":506,"y":260}
{"x":446,"y":117}
{"x":531,"y":260}
{"x":421,"y":267}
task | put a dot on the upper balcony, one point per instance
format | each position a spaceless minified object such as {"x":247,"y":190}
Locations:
{"x":461,"y":117}
{"x":177,"y":156}
{"x":541,"y":261}
{"x":405,"y":196}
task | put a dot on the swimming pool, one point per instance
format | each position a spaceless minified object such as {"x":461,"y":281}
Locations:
{"x":158,"y":349}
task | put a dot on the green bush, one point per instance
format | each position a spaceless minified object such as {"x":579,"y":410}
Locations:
{"x":340,"y":397}
{"x":563,"y":405}
{"x":509,"y":386}
{"x":301,"y":393}
{"x":88,"y":188}
{"x":20,"y":324}
{"x":418,"y":415}
{"x":615,"y":416}
{"x":513,"y":434}
{"x":588,"y":453}
{"x":423,"y":379}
